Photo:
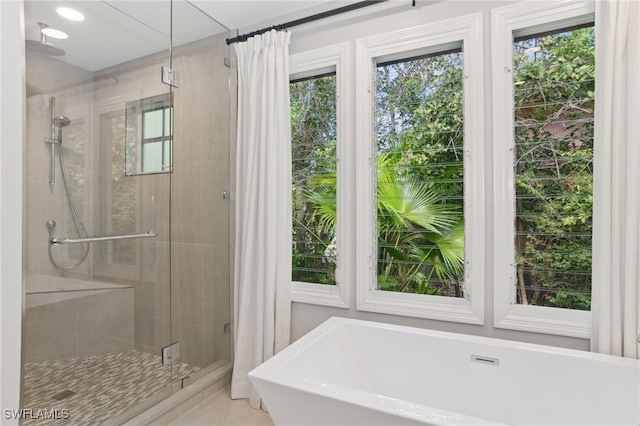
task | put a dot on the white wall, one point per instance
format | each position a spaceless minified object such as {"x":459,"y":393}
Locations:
{"x":387,"y":17}
{"x":11,"y":131}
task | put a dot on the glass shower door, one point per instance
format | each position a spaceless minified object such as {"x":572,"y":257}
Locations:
{"x":97,"y":313}
{"x":200,"y":208}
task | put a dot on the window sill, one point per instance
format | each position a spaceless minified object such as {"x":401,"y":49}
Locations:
{"x":419,"y":306}
{"x":319,"y":294}
{"x":540,"y":319}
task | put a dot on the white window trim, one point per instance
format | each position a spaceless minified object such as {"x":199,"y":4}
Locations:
{"x":307,"y":64}
{"x":522,"y":19}
{"x":422,"y":39}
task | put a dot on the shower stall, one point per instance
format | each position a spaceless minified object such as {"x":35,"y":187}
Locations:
{"x":127,"y":220}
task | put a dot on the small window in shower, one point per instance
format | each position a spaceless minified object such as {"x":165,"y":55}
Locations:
{"x":149,"y":134}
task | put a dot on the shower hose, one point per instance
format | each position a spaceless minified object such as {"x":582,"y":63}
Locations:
{"x":78,"y":223}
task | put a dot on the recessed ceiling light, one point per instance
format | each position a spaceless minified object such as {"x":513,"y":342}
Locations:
{"x":50,"y":32}
{"x":70,"y":14}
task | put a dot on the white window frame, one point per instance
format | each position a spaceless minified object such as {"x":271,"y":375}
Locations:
{"x":308,"y":64}
{"x":430,"y":38}
{"x":522,"y":19}
{"x":138,"y":109}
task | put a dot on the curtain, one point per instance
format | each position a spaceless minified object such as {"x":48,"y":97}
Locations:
{"x":616,"y":233}
{"x":263,"y":207}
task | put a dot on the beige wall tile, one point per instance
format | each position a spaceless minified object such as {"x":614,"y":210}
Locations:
{"x":199,"y":213}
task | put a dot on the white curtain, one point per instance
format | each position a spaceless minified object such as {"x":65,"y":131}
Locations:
{"x":616,"y":239}
{"x":263,"y":207}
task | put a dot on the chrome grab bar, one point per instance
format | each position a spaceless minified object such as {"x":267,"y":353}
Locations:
{"x":57,"y":241}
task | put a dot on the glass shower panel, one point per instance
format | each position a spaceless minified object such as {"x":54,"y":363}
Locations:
{"x":200,"y":215}
{"x":97,"y":314}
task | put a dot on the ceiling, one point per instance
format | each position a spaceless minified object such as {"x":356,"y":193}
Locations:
{"x":117,"y":31}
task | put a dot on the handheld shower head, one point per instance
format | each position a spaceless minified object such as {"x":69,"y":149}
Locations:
{"x":57,"y":123}
{"x":61,"y":121}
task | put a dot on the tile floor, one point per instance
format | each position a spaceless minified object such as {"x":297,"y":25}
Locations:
{"x":103,"y":386}
{"x":118,"y":382}
{"x":221,"y":410}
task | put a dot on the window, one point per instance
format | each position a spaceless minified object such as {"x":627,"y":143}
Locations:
{"x":314,"y":192}
{"x":319,"y":165}
{"x":544,"y":157}
{"x":420,"y":175}
{"x":411,"y":171}
{"x":149,"y":135}
{"x":420,"y":165}
{"x":553,"y":127}
{"x":156,"y":140}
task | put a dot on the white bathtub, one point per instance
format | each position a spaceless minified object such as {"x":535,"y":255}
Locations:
{"x":349,"y":372}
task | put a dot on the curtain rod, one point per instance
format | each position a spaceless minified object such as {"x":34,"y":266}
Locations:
{"x":316,"y":17}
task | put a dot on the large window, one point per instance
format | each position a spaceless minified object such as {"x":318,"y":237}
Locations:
{"x":553,"y":164}
{"x":420,"y":229}
{"x":320,"y":167}
{"x":420,"y":175}
{"x":314,"y":192}
{"x":404,"y":188}
{"x":543,"y":82}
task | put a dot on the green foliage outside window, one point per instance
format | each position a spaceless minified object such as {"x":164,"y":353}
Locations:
{"x":554,"y":99}
{"x":419,"y":146}
{"x":313,"y":133}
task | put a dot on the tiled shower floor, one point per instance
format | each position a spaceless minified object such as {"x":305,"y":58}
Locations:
{"x":105,"y":386}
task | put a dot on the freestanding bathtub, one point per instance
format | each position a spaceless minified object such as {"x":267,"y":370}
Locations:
{"x":350,"y":372}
